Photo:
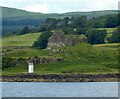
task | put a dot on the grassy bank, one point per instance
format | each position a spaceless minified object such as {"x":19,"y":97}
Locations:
{"x":80,"y":59}
{"x":22,"y":40}
{"x":109,"y":30}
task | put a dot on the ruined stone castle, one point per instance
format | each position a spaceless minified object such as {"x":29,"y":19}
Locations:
{"x":60,"y":39}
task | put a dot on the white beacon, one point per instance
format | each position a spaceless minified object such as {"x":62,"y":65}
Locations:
{"x":30,"y":68}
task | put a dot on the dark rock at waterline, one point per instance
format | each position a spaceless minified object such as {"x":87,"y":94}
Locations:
{"x":61,"y":77}
{"x":29,"y":76}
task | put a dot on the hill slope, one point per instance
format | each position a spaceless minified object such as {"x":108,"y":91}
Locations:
{"x":22,"y":40}
{"x":80,"y":59}
{"x":14,"y":19}
{"x":17,"y":13}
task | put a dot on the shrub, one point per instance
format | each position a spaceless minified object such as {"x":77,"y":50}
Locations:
{"x":8,"y":62}
{"x":115,"y":38}
{"x":95,"y":36}
{"x":42,"y":41}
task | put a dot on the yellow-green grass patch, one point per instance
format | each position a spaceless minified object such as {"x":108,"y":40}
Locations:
{"x":21,"y":40}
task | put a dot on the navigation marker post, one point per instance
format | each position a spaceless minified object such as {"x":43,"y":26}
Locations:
{"x":30,"y":67}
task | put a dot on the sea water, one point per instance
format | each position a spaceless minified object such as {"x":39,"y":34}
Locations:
{"x":60,"y":89}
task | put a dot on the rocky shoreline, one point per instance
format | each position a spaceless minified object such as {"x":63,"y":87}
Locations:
{"x":61,"y":78}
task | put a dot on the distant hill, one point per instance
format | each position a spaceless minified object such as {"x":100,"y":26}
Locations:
{"x":13,"y":19}
{"x":17,"y":13}
{"x":92,"y":13}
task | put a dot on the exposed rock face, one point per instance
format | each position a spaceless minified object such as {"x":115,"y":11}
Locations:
{"x":66,"y":77}
{"x":75,"y":40}
{"x":44,"y":60}
{"x":59,"y":39}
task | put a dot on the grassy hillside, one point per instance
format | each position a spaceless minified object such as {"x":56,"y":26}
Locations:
{"x":112,"y":45}
{"x":82,"y":62}
{"x":80,"y":59}
{"x":13,"y":13}
{"x":109,"y":30}
{"x":22,"y":40}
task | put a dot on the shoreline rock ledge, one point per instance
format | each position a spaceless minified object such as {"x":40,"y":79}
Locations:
{"x":61,"y":78}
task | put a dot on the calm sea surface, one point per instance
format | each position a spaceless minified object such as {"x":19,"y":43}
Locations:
{"x":60,"y":89}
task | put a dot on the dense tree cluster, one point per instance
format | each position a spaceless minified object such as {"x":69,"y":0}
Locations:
{"x":96,"y":36}
{"x":75,"y":25}
{"x":107,"y":21}
{"x":80,"y":23}
{"x":25,"y":30}
{"x":115,"y":38}
{"x":112,"y":21}
{"x":42,"y":41}
{"x":8,"y":62}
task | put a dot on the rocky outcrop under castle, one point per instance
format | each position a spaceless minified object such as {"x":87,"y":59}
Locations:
{"x":60,"y":39}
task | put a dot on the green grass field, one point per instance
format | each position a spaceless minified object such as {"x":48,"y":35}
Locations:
{"x":80,"y":59}
{"x":22,"y":40}
{"x":0,"y":42}
{"x":114,"y":45}
{"x":109,"y":30}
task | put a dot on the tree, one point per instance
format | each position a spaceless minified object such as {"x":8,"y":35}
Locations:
{"x":95,"y":36}
{"x":68,"y":30}
{"x":80,"y":31}
{"x":42,"y":41}
{"x":8,"y":62}
{"x":112,"y":21}
{"x":115,"y":38}
{"x":80,"y":21}
{"x":64,"y":22}
{"x":42,"y":28}
{"x":52,"y":22}
{"x":25,"y":30}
